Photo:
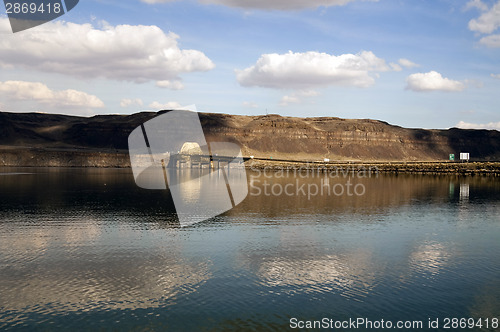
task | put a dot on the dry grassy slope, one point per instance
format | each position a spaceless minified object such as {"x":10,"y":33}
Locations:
{"x":261,"y":136}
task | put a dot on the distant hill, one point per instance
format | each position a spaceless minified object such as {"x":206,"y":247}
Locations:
{"x":31,"y":139}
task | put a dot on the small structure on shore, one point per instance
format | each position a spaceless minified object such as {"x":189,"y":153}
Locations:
{"x":464,"y":156}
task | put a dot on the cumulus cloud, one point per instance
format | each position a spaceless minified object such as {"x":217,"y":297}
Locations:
{"x":395,"y":66}
{"x":41,"y":93}
{"x":297,"y":97}
{"x":407,"y":63}
{"x":432,"y":81}
{"x":270,"y":4}
{"x":476,"y":4}
{"x":492,"y":41}
{"x":172,"y":85}
{"x":287,"y":100}
{"x":497,"y":76}
{"x":166,"y":106}
{"x":131,"y":102}
{"x":312,"y":69}
{"x":490,"y":126}
{"x":487,"y":23}
{"x":135,"y":53}
{"x":403,"y":63}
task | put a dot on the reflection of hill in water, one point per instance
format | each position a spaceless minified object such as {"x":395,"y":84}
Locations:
{"x":69,"y":139}
{"x":381,"y":193}
{"x":114,"y":191}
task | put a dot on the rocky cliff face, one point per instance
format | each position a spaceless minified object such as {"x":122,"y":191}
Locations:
{"x":343,"y":139}
{"x":33,"y":139}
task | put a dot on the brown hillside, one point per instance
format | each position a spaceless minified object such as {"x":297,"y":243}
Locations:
{"x":261,"y":136}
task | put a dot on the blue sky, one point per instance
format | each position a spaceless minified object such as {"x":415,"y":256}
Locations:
{"x":421,"y":63}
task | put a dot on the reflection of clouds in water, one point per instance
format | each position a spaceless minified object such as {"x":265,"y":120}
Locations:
{"x":292,"y":264}
{"x":352,"y":276}
{"x":38,"y":239}
{"x":107,"y":285}
{"x":103,"y":288}
{"x":90,"y":232}
{"x":47,"y":269}
{"x":15,"y":247}
{"x":429,"y":258}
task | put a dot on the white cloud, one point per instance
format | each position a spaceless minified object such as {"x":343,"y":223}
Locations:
{"x":287,"y":100}
{"x":432,"y":81}
{"x":41,"y":93}
{"x":170,"y":105}
{"x":124,"y":52}
{"x":490,"y":126}
{"x":488,"y":21}
{"x":308,"y":93}
{"x":131,"y":102}
{"x":490,"y":41}
{"x":250,"y":104}
{"x":270,"y":4}
{"x":172,"y":85}
{"x":407,"y":63}
{"x":312,"y":69}
{"x":395,"y":66}
{"x":297,"y":97}
{"x":476,"y":4}
{"x":497,"y":76}
{"x":402,"y":63}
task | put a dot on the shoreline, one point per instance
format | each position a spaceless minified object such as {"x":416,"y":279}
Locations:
{"x":471,"y":168}
{"x":43,"y":157}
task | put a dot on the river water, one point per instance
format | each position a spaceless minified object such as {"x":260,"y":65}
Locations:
{"x":86,"y":249}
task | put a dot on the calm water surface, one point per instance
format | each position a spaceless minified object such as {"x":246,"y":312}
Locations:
{"x":85,"y":249}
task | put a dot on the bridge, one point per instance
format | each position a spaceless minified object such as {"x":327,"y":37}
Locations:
{"x":192,"y":156}
{"x":199,"y":161}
